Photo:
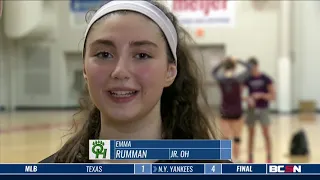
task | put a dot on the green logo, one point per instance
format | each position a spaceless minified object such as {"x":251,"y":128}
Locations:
{"x":97,"y":149}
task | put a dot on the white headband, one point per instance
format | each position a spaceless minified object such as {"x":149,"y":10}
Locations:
{"x":147,"y":9}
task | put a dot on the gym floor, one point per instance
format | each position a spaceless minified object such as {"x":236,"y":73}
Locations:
{"x":28,"y":137}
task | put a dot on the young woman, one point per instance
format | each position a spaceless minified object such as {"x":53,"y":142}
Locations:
{"x":231,"y":106}
{"x":262,"y":92}
{"x":141,"y":80}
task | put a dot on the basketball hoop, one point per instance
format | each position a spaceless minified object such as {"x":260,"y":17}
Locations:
{"x":259,"y":4}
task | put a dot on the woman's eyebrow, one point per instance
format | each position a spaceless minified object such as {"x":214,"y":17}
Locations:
{"x":142,"y":43}
{"x":104,"y":42}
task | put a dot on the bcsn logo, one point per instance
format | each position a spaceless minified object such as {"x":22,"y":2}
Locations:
{"x":284,"y":169}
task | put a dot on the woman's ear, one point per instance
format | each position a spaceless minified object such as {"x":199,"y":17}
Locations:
{"x":84,"y":73}
{"x":171,"y":75}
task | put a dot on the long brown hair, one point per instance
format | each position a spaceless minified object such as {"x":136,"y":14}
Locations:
{"x":182,"y":116}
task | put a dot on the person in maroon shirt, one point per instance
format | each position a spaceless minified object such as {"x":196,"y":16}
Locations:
{"x":231,"y":106}
{"x":261,"y":92}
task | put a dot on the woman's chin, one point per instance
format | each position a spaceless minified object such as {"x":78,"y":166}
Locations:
{"x":121,"y":115}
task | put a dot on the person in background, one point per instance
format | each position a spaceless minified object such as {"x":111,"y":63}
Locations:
{"x":142,"y":81}
{"x":261,"y":92}
{"x":231,"y":112}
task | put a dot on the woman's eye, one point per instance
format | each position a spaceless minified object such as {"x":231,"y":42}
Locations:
{"x":142,"y":56}
{"x":103,"y":55}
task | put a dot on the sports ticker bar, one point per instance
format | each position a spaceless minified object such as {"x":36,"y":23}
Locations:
{"x":158,"y":169}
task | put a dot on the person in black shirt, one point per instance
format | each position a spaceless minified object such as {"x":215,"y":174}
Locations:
{"x":141,"y":81}
{"x":261,"y":89}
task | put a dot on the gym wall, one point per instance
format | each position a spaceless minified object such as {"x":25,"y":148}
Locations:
{"x":44,"y":59}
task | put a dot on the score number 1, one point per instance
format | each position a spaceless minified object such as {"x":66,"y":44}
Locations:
{"x":142,"y":168}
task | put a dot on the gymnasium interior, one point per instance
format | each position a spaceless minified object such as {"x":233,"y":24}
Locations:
{"x":41,"y":76}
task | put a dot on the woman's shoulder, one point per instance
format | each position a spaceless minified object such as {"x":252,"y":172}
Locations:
{"x":49,"y":159}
